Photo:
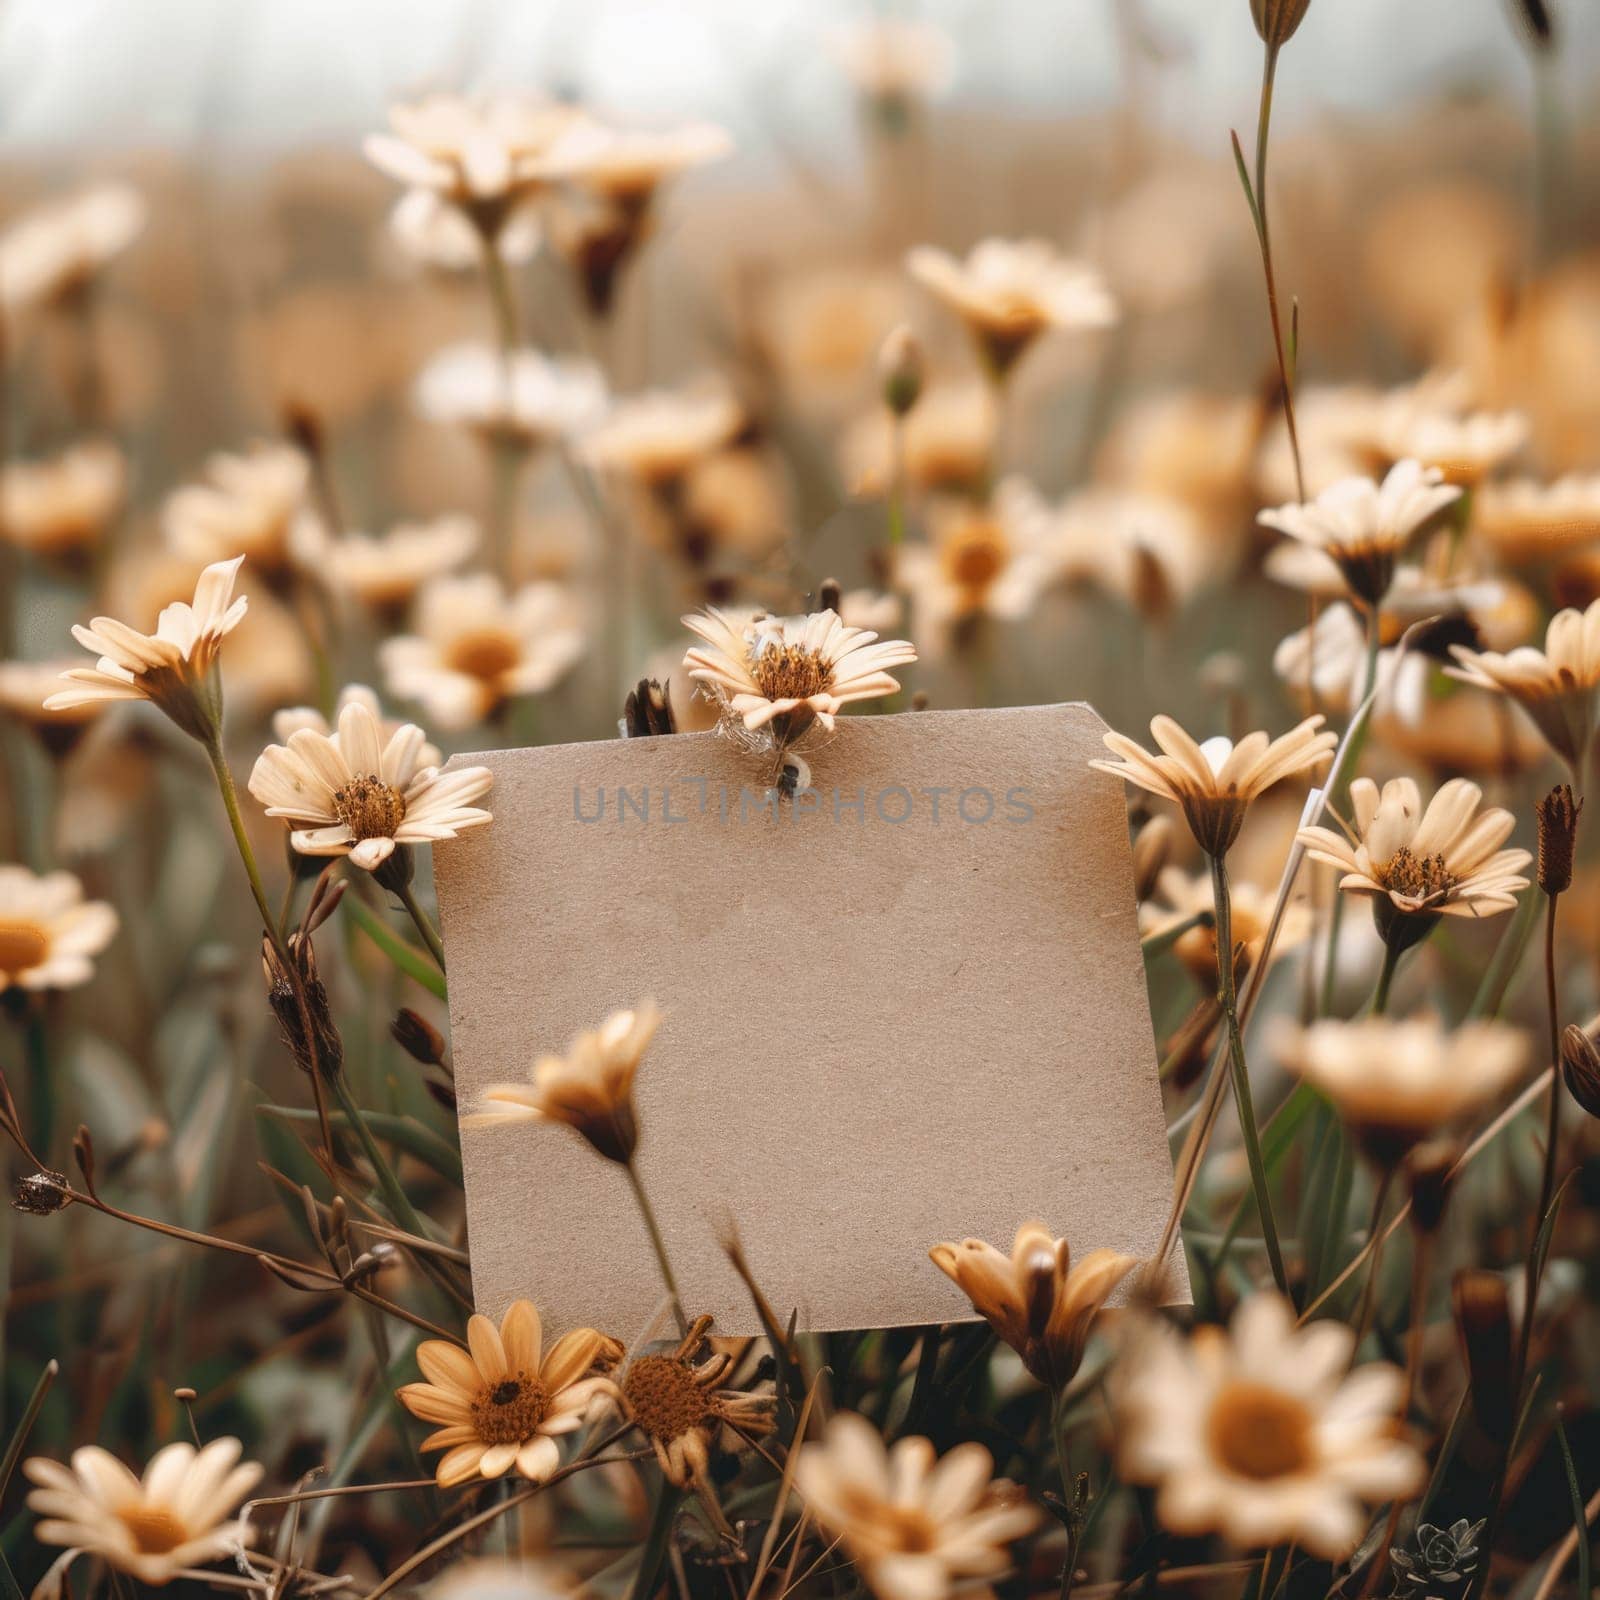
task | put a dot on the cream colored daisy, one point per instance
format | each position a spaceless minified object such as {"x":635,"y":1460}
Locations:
{"x":1556,"y":686}
{"x":785,"y":673}
{"x":170,"y":667}
{"x":386,"y":571}
{"x":56,"y":251}
{"x":360,"y":794}
{"x":174,"y":1518}
{"x":1465,"y":448}
{"x":1419,"y":865}
{"x":548,"y":397}
{"x":1010,"y":292}
{"x":48,"y":931}
{"x":916,"y":1525}
{"x":476,"y":647}
{"x":504,"y":1401}
{"x":249,"y":503}
{"x":590,"y":1088}
{"x":61,"y":507}
{"x":1363,"y":526}
{"x":1183,"y":896}
{"x":655,"y":438}
{"x":978,"y":561}
{"x":1262,"y":1433}
{"x":436,"y":233}
{"x":1397,"y":1083}
{"x":683,"y":1410}
{"x":1524,"y":521}
{"x":24,"y":688}
{"x":481,"y":154}
{"x":626,"y":166}
{"x":289,"y":721}
{"x":1037,"y":1299}
{"x":1215,"y":782}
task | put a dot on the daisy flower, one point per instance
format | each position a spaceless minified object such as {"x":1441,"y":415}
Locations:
{"x":289,"y":721}
{"x":547,"y":398}
{"x":59,"y":508}
{"x":626,"y":166}
{"x":786,"y":672}
{"x":1182,"y":896}
{"x":153,"y":1528}
{"x":1261,"y":1432}
{"x":656,"y":437}
{"x":249,"y":503}
{"x":48,"y":931}
{"x":894,"y":60}
{"x":590,"y":1088}
{"x":1363,"y":526}
{"x":503,"y":1402}
{"x":914,"y":1523}
{"x":170,"y":667}
{"x":359,"y":794}
{"x":475,"y":647}
{"x":1037,"y":1299}
{"x":55,"y":252}
{"x":385,"y":572}
{"x":1215,"y":782}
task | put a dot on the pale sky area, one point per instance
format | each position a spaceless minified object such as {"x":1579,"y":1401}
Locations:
{"x":231,"y":74}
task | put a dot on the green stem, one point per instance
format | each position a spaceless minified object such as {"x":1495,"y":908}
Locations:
{"x":1375,"y":1239}
{"x":1380,"y":995}
{"x":430,"y":934}
{"x":1069,"y":1493}
{"x":1241,"y":1076}
{"x":658,"y":1244}
{"x":230,"y":801}
{"x":394,"y":1196}
{"x":507,"y":451}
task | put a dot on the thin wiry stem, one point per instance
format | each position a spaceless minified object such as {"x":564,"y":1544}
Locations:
{"x":658,"y":1244}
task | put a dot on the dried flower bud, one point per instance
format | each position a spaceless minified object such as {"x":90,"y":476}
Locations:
{"x":300,"y":1003}
{"x":1276,"y":20}
{"x":1430,"y":1170}
{"x":1152,"y":849}
{"x":1580,"y":1067}
{"x":418,"y":1037}
{"x":647,"y":711}
{"x":41,"y":1193}
{"x":1558,"y":838}
{"x":1483,"y":1314}
{"x":83,"y":1154}
{"x":830,"y":595}
{"x":900,"y":370}
{"x":186,"y":1396}
{"x":1534,"y":15}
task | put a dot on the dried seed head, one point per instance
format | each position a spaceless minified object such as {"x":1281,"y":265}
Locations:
{"x":418,"y":1037}
{"x":1482,"y":1305}
{"x":299,"y":1001}
{"x":41,"y":1193}
{"x":1580,"y":1067}
{"x":664,"y":1396}
{"x":647,"y":711}
{"x":1429,"y":1171}
{"x":901,"y":370}
{"x":1558,"y":838}
{"x":1276,"y":20}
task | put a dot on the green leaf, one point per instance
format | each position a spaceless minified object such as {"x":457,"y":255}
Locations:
{"x":405,"y":955}
{"x":1579,"y":1515}
{"x":1244,"y":181}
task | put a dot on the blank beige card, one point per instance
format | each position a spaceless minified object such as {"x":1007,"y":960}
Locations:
{"x":906,"y":1005}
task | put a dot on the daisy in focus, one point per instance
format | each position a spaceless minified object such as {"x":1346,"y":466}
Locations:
{"x":590,"y":1089}
{"x":360,"y":794}
{"x":49,"y":934}
{"x":914,"y":1523}
{"x":784,"y":673}
{"x":1215,"y":782}
{"x":504,"y":1401}
{"x":154,"y":1528}
{"x":1261,"y":1432}
{"x":170,"y":667}
{"x":1037,"y":1299}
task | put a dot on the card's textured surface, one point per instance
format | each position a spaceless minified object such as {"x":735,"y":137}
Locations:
{"x":879,"y":1033}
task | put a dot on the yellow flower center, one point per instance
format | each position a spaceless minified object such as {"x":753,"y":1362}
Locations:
{"x":23,"y":946}
{"x":488,"y":654}
{"x":155,"y":1529}
{"x":1418,"y":877}
{"x":1259,"y":1432}
{"x":789,"y":672}
{"x":975,"y":556}
{"x":664,"y":1397}
{"x":369,"y":807}
{"x":509,"y":1411}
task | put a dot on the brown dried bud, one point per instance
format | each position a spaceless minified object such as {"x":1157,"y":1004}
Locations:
{"x":1430,"y":1170}
{"x":901,"y":370}
{"x":830,"y":595}
{"x":647,"y":711}
{"x":1558,"y":838}
{"x":186,"y":1396}
{"x":1152,"y":849}
{"x":1534,"y":15}
{"x":1483,"y":1314}
{"x":83,"y":1154}
{"x":1276,"y":20}
{"x":1580,"y":1068}
{"x":418,"y":1037}
{"x":41,"y":1193}
{"x":300,"y":1003}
